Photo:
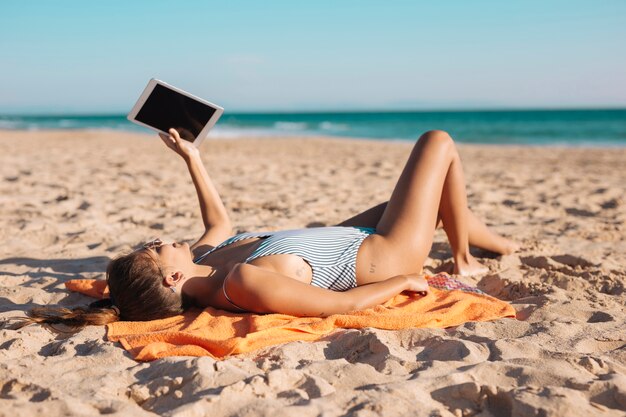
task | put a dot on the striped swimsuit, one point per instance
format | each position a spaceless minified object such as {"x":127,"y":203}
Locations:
{"x":330,"y":251}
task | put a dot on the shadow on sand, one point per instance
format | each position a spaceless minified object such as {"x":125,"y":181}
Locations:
{"x":48,"y":274}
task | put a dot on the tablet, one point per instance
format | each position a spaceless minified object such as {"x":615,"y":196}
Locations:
{"x":162,"y":106}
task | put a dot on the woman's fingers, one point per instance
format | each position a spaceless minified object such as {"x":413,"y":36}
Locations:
{"x":418,"y":284}
{"x":174,"y":134}
{"x":168,"y":140}
{"x":176,"y":143}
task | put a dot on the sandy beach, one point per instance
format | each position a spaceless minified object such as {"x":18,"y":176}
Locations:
{"x":72,"y":200}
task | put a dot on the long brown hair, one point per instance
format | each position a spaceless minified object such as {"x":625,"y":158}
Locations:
{"x":137,"y":294}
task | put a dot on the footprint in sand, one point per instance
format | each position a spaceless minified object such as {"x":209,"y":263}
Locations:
{"x":600,"y":317}
{"x":15,"y":389}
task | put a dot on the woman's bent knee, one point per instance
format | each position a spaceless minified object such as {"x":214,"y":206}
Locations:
{"x":438,"y":139}
{"x":436,"y":132}
{"x":439,"y":136}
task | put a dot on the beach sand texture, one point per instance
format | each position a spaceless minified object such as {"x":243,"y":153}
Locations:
{"x":69,"y":201}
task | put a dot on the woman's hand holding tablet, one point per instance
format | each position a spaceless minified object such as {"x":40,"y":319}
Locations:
{"x":178,"y":145}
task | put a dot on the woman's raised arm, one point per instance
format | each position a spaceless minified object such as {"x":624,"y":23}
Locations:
{"x":217,"y":224}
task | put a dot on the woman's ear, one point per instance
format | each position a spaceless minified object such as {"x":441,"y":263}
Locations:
{"x":172,"y":279}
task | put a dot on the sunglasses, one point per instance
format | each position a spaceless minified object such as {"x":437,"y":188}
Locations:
{"x":153,"y":244}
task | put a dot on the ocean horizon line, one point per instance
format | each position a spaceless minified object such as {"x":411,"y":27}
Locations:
{"x":586,"y":127}
{"x":331,"y":111}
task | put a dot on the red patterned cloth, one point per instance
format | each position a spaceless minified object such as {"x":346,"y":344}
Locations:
{"x":444,"y":281}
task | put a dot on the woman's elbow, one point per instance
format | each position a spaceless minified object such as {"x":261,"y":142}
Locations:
{"x":224,"y":227}
{"x":227,"y":226}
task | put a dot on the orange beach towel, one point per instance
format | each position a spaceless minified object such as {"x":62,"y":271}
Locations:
{"x":218,"y":333}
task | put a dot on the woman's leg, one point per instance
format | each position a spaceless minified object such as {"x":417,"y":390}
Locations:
{"x":481,"y":237}
{"x":367,"y":218}
{"x":478,"y":233}
{"x":453,"y":212}
{"x":405,"y":231}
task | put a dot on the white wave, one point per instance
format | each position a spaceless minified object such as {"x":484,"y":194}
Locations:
{"x":291,"y":126}
{"x":336,"y":127}
{"x":66,"y":123}
{"x":234,"y":132}
{"x":9,"y":124}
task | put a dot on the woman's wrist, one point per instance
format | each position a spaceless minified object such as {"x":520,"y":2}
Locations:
{"x":192,"y":158}
{"x":365,"y":296}
{"x":403,"y":281}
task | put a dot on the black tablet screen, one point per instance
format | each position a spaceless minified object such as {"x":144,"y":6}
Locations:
{"x":166,"y":108}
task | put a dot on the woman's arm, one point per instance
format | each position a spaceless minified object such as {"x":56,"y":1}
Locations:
{"x":263,"y":291}
{"x":214,"y":215}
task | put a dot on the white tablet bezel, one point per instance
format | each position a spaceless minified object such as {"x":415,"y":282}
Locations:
{"x":148,"y":90}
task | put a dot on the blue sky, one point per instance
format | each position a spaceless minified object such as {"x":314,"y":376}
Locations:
{"x":79,"y":56}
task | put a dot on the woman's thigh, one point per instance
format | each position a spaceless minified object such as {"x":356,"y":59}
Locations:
{"x":404,"y":234}
{"x":376,"y":261}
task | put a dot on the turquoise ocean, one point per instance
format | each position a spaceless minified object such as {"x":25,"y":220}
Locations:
{"x":595,"y":127}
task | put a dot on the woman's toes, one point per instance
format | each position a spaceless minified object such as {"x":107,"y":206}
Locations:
{"x":469,"y":267}
{"x":510,"y":247}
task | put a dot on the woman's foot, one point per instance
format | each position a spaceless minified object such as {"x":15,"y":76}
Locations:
{"x":508,"y":246}
{"x":467,"y":265}
{"x":503,"y":246}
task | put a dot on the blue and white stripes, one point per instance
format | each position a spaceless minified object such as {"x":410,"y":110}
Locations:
{"x":330,"y":251}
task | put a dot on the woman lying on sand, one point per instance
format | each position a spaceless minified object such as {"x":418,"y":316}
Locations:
{"x":359,"y":263}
